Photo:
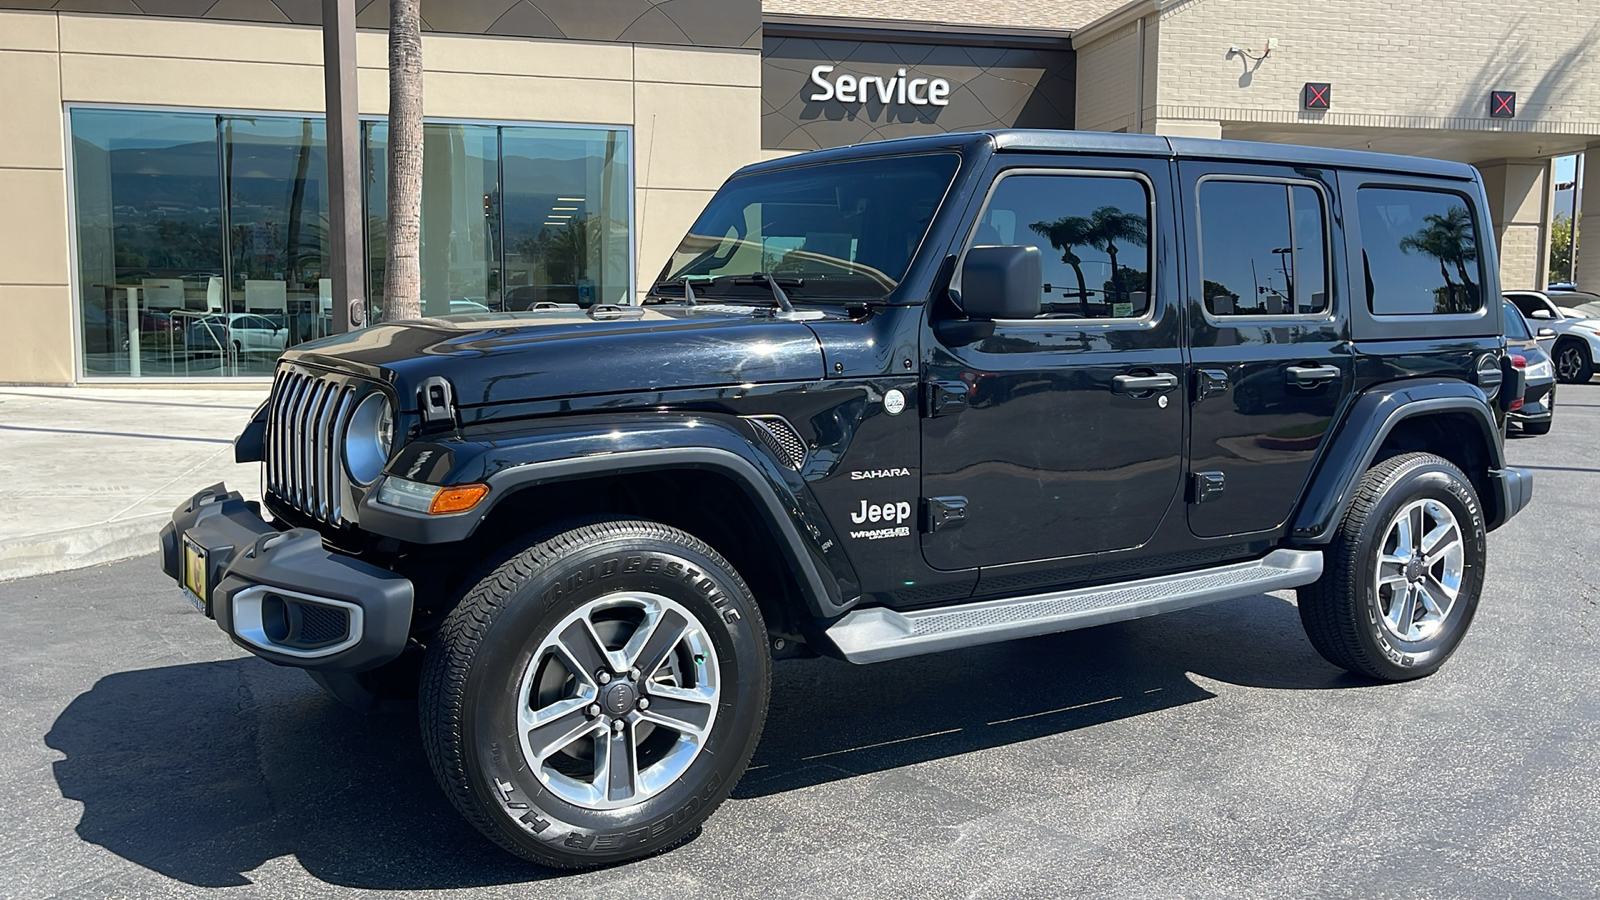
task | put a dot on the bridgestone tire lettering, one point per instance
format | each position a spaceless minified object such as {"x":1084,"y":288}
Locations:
{"x":1341,"y":611}
{"x":473,"y":663}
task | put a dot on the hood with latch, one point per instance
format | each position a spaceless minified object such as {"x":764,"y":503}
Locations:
{"x":495,"y":358}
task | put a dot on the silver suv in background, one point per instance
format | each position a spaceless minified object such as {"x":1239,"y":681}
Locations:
{"x":1574,"y":316}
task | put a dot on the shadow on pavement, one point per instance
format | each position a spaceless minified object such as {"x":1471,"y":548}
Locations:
{"x":204,"y":772}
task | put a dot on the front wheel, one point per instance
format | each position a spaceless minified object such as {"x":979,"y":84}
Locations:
{"x":1573,"y":363}
{"x":1403,"y":573}
{"x":598,"y":695}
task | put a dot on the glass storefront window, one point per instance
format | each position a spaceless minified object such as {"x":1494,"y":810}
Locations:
{"x":202,"y":238}
{"x":566,"y":216}
{"x":274,"y":171}
{"x":149,"y":236}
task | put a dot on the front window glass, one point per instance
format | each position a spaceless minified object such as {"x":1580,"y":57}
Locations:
{"x":1263,"y":249}
{"x":837,"y":230}
{"x":1092,"y":232}
{"x":1419,"y":252}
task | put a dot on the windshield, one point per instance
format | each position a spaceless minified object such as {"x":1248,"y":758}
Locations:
{"x":1584,"y":302}
{"x":844,"y":230}
{"x":1516,"y":326}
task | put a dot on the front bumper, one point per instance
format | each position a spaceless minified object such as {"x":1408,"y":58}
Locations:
{"x":281,"y":594}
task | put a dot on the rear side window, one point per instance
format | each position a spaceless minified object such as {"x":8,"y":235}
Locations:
{"x":1093,"y":232}
{"x":1263,"y":248}
{"x":1419,"y":252}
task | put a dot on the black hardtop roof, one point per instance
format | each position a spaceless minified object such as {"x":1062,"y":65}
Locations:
{"x":1100,"y":142}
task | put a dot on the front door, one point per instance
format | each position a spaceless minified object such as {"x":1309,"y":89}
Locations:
{"x":1062,"y":434}
{"x":1268,"y":343}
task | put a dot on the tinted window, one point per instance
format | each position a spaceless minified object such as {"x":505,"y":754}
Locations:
{"x":1092,"y":232}
{"x":844,"y":229}
{"x":1516,"y":327}
{"x":1528,"y":305}
{"x":1263,"y":249}
{"x":1419,"y":250}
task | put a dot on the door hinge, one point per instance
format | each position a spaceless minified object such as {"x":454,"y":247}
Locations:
{"x":1206,"y":485}
{"x":1210,"y":382}
{"x":943,"y":398}
{"x":943,"y":512}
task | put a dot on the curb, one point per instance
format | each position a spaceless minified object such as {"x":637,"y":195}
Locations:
{"x":78,"y":548}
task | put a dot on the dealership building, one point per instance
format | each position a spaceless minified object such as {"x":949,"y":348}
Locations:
{"x":163,"y":162}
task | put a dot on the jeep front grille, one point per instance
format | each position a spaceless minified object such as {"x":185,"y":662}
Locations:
{"x":305,"y":431}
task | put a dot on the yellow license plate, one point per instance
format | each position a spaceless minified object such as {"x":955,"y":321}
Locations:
{"x":194,"y":573}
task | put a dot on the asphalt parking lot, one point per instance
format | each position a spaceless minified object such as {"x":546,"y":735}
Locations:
{"x":1207,"y":753}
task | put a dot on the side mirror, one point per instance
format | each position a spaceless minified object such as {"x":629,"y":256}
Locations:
{"x":1004,"y":282}
{"x":1545,"y":333}
{"x":1540,"y":314}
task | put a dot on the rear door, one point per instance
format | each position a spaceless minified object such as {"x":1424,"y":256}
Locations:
{"x":1063,"y":434}
{"x":1269,"y":342}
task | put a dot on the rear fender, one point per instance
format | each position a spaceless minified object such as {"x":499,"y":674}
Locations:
{"x":1371,"y":419}
{"x":511,"y":457}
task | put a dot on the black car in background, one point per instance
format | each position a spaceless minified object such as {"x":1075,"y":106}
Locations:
{"x":1537,"y":409}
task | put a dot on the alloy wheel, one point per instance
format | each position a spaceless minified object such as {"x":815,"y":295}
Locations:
{"x":1419,"y":570}
{"x":618,"y":700}
{"x":1569,"y":363}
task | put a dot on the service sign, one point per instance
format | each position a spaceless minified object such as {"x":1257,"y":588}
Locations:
{"x":898,"y":88}
{"x":819,"y":92}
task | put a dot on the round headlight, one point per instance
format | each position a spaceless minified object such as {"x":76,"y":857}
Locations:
{"x":369,"y":439}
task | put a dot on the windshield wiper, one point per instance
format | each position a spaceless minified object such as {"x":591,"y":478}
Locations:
{"x":786,"y":308}
{"x":683,"y":281}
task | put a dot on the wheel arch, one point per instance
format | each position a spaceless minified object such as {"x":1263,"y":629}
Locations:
{"x":700,"y":474}
{"x":1449,"y":418}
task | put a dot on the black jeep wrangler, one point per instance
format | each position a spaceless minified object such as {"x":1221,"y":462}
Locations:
{"x":884,"y":400}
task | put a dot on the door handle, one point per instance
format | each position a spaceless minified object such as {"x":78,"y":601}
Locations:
{"x":1307,"y":375}
{"x":1138,"y":384}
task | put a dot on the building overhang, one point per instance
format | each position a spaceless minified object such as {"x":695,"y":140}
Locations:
{"x":909,"y":31}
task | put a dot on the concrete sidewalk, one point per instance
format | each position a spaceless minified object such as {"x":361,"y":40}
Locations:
{"x":88,"y":475}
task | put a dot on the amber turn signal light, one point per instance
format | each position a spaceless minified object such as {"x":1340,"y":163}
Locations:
{"x":457,"y":499}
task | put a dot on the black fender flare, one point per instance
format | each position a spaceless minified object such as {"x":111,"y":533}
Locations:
{"x":543,"y":453}
{"x":1370,"y":419}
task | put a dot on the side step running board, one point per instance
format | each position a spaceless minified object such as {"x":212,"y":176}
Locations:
{"x":878,"y":634}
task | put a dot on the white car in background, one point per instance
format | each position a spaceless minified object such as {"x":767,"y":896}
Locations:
{"x":1574,"y":316}
{"x":240,"y":333}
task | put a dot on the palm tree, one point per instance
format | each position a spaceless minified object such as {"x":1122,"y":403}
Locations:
{"x":402,"y":274}
{"x":1112,"y":225}
{"x":1064,"y":234}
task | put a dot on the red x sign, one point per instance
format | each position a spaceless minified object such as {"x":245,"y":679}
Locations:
{"x":1315,"y":95}
{"x":1502,"y":104}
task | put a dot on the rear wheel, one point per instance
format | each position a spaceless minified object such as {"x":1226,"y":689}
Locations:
{"x":598,"y":695}
{"x":1573,"y":363}
{"x":1403,"y":573}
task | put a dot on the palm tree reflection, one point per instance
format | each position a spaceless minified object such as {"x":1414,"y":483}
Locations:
{"x":1101,"y":230}
{"x":1449,"y":239}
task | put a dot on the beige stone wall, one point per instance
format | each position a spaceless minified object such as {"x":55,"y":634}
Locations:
{"x":1108,"y":80}
{"x":1392,"y":65}
{"x":1520,"y":196}
{"x":35,"y":301}
{"x":666,"y":94}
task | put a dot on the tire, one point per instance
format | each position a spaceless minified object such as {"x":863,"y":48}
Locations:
{"x":1573,"y":363}
{"x":513,"y":649}
{"x":1370,"y":629}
